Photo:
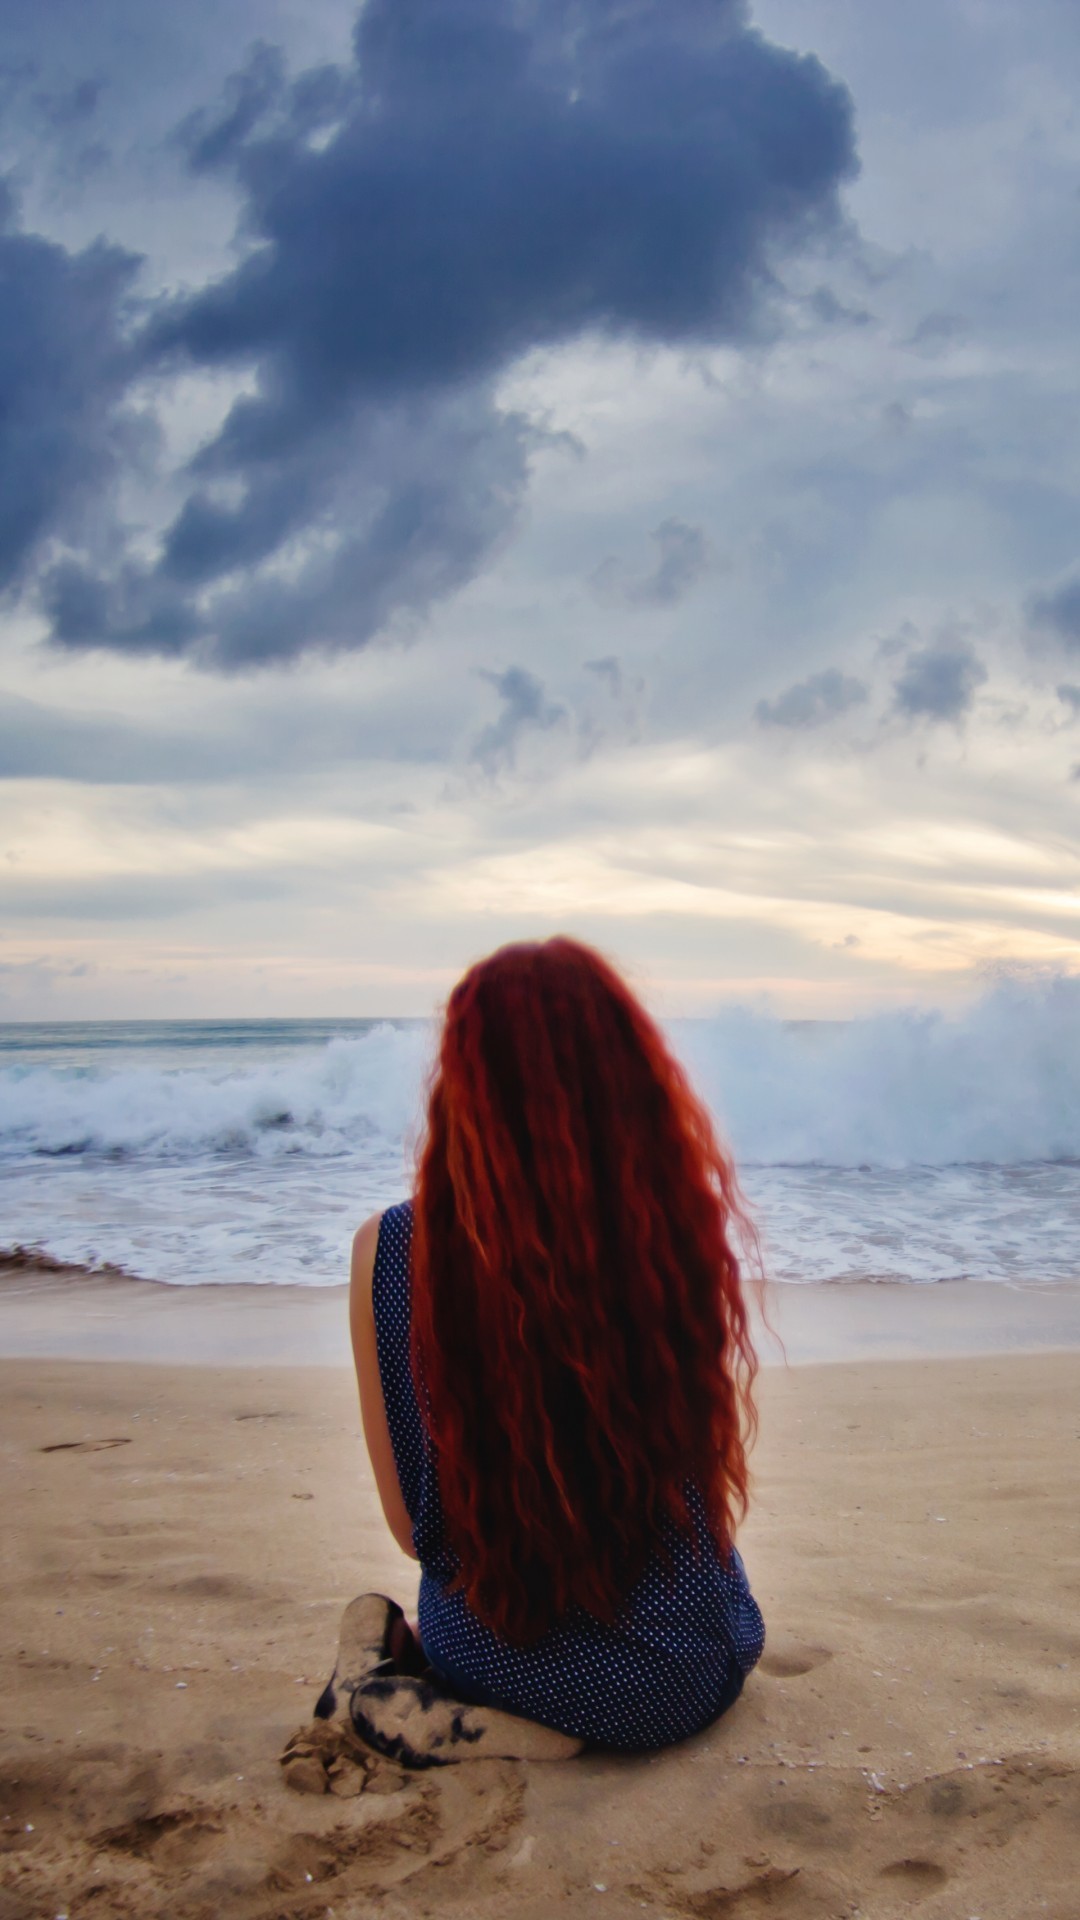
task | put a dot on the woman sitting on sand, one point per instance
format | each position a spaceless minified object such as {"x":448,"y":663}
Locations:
{"x":555,"y":1367}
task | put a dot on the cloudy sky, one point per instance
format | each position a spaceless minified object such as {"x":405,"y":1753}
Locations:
{"x":474,"y":468}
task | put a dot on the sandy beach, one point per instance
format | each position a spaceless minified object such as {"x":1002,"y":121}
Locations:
{"x":180,"y":1538}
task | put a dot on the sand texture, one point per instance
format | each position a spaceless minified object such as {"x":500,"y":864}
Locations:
{"x":178,"y":1543}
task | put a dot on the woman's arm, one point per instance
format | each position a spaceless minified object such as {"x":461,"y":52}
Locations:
{"x":372,"y":1406}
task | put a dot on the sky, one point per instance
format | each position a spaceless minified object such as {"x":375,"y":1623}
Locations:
{"x":472,"y":469}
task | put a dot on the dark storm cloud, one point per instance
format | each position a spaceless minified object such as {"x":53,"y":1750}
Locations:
{"x":813,"y":702}
{"x":210,"y":138}
{"x":403,"y":508}
{"x":63,"y":369}
{"x":939,"y":682}
{"x":483,"y":179}
{"x":1058,"y":611}
{"x":525,"y":708}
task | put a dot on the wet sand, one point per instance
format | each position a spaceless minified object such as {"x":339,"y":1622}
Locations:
{"x":65,"y":1313}
{"x":179,"y":1540}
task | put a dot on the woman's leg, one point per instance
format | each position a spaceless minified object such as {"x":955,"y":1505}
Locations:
{"x":384,"y":1688}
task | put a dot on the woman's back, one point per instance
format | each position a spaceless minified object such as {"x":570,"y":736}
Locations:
{"x":556,"y":1337}
{"x":676,"y":1654}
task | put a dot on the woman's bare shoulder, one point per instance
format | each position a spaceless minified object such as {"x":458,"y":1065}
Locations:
{"x":364,"y":1247}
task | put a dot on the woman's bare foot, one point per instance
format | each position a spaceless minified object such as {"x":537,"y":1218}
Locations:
{"x":368,"y":1626}
{"x":412,"y":1720}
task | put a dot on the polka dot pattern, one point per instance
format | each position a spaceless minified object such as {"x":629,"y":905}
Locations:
{"x":670,"y":1664}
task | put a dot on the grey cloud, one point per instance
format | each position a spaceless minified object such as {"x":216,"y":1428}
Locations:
{"x":63,"y":370}
{"x":609,"y":672}
{"x":683,"y":557}
{"x":825,"y":306}
{"x":620,"y":716}
{"x":411,"y":520}
{"x":937,"y":331}
{"x":813,"y":702}
{"x":1058,"y":611}
{"x":211,"y":137}
{"x":475,"y":183}
{"x":73,"y":106}
{"x":1070,"y":695}
{"x":140,"y":66}
{"x":525,"y":708}
{"x":939,"y":682}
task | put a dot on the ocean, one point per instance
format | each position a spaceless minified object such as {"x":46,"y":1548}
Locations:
{"x":911,"y":1146}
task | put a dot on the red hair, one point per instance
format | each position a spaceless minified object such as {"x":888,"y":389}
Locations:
{"x":579,"y":1323}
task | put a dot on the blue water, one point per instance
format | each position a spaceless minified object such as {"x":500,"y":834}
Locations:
{"x":911,"y":1146}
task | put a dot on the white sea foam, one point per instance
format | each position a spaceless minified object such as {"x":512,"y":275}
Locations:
{"x":322,"y":1102}
{"x":998,"y":1082}
{"x":910,"y":1146}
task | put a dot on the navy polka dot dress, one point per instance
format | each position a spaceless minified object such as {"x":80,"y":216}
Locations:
{"x":672,"y":1661}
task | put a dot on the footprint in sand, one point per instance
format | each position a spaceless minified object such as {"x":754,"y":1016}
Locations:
{"x":795,"y":1819}
{"x":787,"y":1663}
{"x":212,"y":1586}
{"x":181,"y":1837}
{"x":85,"y":1446}
{"x":918,"y":1876}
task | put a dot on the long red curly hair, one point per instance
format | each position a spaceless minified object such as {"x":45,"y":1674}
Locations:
{"x":579,"y":1322}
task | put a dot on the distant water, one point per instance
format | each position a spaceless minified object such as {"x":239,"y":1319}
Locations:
{"x":910,"y":1146}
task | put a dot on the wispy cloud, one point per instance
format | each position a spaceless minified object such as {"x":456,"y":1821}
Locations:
{"x":812,"y":702}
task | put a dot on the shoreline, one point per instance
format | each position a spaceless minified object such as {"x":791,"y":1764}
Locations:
{"x":52,"y":1312}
